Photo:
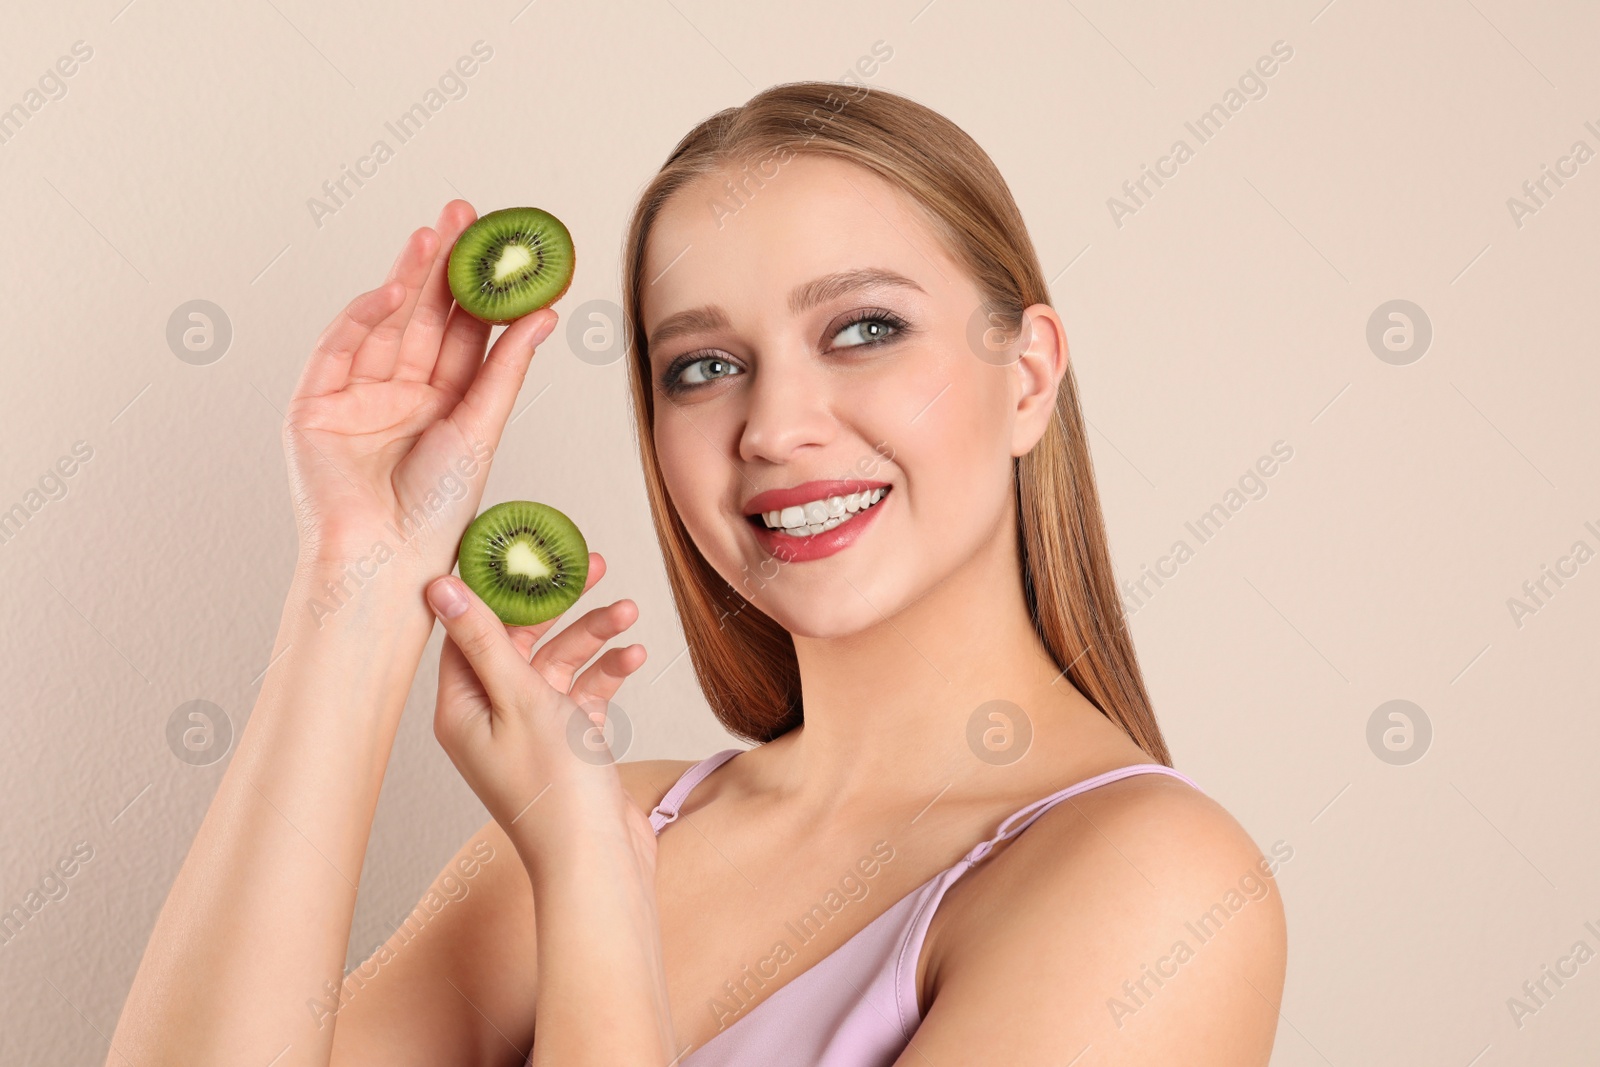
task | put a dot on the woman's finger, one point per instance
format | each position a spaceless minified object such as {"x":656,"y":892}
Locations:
{"x":600,"y":682}
{"x":455,"y":673}
{"x":481,"y":415}
{"x":483,"y":641}
{"x":419,"y":348}
{"x":460,"y":353}
{"x":560,"y":658}
{"x":376,"y":360}
{"x":329,"y":366}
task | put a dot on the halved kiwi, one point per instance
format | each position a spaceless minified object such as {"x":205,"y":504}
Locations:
{"x":527,"y":561}
{"x":511,"y":262}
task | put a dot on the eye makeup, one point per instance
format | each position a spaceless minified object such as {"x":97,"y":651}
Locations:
{"x":888,"y":326}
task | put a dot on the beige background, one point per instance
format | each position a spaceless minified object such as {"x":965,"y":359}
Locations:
{"x":1228,"y":313}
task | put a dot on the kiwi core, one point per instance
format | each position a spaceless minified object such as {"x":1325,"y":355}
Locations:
{"x":513,"y":258}
{"x":522,"y":560}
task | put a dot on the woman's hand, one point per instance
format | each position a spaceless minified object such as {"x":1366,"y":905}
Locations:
{"x":521,"y":724}
{"x":516,"y":720}
{"x":397,"y":413}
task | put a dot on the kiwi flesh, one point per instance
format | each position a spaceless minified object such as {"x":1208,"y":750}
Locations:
{"x":510,"y":263}
{"x":526,"y":560}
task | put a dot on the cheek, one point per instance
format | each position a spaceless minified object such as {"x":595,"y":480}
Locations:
{"x":944,"y":419}
{"x":958,"y":448}
{"x":695,"y":472}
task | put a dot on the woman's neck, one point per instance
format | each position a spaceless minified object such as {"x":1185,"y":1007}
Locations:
{"x":888,"y":709}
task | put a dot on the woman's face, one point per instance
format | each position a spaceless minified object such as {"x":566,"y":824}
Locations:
{"x":812,"y":345}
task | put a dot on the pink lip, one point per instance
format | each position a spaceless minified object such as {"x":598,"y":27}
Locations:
{"x":778,"y":499}
{"x":787,"y":548}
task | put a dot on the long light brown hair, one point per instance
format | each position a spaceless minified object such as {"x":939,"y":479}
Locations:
{"x":744,"y":660}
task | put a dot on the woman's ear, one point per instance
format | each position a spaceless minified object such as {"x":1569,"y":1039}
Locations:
{"x":1039,"y":369}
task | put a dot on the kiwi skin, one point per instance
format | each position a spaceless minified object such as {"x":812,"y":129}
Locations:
{"x":463,"y":278}
{"x":554,"y":541}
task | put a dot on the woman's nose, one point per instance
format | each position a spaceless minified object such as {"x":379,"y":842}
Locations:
{"x":789,"y":406}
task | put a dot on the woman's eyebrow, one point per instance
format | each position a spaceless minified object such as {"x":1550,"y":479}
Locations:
{"x":803,"y":298}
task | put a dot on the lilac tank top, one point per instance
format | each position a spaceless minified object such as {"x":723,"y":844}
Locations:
{"x":857,"y":1006}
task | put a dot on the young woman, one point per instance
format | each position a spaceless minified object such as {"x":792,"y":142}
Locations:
{"x":869,"y":476}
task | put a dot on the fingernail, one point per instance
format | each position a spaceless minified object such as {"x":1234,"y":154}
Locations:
{"x":543,"y":331}
{"x":447,"y":598}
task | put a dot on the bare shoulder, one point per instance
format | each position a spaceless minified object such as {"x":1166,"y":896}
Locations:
{"x":1162,"y":831}
{"x":1138,"y":917}
{"x":648,"y":780}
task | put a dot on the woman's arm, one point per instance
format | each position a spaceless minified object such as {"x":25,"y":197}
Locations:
{"x":259,"y":916}
{"x":388,"y":438}
{"x":455,"y":984}
{"x":603,"y":985}
{"x":530,"y":751}
{"x":1138,"y":924}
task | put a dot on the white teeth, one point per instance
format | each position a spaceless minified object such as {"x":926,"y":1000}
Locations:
{"x":815,"y":516}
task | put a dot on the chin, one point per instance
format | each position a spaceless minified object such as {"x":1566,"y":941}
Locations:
{"x":822,"y":622}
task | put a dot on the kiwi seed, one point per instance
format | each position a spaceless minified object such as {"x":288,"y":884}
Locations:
{"x":527,"y":561}
{"x":511,"y":262}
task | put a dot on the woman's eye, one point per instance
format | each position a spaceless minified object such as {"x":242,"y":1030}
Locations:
{"x":693,"y":375}
{"x":864,"y":332}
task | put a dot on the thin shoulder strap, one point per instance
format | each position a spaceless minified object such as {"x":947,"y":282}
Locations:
{"x":917,"y":930}
{"x":1020,"y":820}
{"x":667,"y":810}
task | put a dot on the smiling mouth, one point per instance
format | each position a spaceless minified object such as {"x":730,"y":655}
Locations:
{"x":819,"y":516}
